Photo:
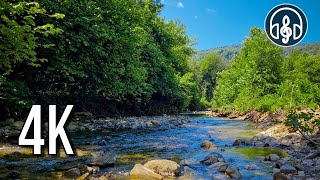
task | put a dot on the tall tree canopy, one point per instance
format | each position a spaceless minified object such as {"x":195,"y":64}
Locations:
{"x":109,"y":57}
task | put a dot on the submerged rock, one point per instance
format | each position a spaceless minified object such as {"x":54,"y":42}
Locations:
{"x":188,"y":174}
{"x":164,"y":167}
{"x":219,"y":166}
{"x":233,"y":172}
{"x":188,"y":162}
{"x":102,"y":159}
{"x":213,"y":158}
{"x":141,"y":172}
{"x":208,"y":145}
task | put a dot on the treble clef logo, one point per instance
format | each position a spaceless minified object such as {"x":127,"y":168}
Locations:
{"x":286,"y":25}
{"x":285,"y":31}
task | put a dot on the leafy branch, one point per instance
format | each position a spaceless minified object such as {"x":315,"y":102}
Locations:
{"x":305,"y":123}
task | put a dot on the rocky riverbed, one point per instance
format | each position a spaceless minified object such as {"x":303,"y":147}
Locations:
{"x":303,"y":158}
{"x":164,"y":147}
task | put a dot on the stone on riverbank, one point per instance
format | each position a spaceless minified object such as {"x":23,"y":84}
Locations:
{"x":141,"y":172}
{"x":273,"y":157}
{"x":164,"y":167}
{"x":286,"y":168}
{"x":83,"y":177}
{"x":279,"y":176}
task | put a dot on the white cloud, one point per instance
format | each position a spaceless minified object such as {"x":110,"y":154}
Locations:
{"x":180,"y":5}
{"x":211,"y":10}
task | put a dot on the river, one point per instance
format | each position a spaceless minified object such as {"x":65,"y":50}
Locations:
{"x":175,"y":143}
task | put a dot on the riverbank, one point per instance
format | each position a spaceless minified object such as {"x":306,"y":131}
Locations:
{"x":303,"y":160}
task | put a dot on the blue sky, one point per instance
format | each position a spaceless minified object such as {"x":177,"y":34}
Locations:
{"x":216,"y":23}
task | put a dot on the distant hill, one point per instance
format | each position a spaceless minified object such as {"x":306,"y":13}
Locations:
{"x":228,"y":52}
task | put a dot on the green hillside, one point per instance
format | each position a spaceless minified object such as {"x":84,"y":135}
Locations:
{"x":228,"y":52}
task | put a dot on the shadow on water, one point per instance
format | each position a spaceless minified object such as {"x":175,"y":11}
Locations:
{"x":177,"y":143}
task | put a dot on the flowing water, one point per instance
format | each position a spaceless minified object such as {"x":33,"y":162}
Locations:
{"x":176,"y":143}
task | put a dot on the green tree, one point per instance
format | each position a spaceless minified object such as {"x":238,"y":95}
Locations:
{"x":253,"y":74}
{"x":208,"y":70}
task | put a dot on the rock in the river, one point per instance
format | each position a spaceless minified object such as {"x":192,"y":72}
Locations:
{"x":164,"y":167}
{"x":141,"y":172}
{"x":208,"y":145}
{"x":219,"y":166}
{"x":188,"y":174}
{"x":279,"y":176}
{"x":188,"y":162}
{"x":273,"y":157}
{"x":239,"y":142}
{"x":233,"y":172}
{"x":213,"y":158}
{"x":286,"y":168}
{"x":102,"y":159}
{"x":155,"y":123}
{"x":93,"y":169}
{"x":72,"y":173}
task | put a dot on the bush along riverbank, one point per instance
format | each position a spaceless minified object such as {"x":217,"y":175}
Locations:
{"x":289,"y":132}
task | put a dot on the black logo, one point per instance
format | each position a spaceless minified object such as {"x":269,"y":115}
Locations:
{"x":286,"y":25}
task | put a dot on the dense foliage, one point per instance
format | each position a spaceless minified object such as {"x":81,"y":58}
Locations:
{"x":120,"y":57}
{"x":108,"y":57}
{"x":262,"y":78}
